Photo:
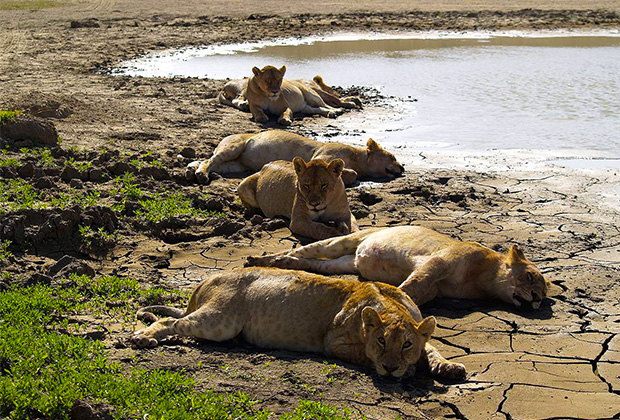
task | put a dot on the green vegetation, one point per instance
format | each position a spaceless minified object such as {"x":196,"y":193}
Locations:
{"x":46,"y":160}
{"x":28,"y":4}
{"x":147,"y":159}
{"x":8,"y":161}
{"x":17,"y":194}
{"x":5,"y":254}
{"x":80,"y":166}
{"x":163,"y":207}
{"x":96,"y":239}
{"x":7,"y":115}
{"x":47,"y":364}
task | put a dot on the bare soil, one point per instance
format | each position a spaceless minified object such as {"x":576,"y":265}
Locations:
{"x":562,"y":361}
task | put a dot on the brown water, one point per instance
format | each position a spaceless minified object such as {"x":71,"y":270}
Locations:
{"x":554,"y":96}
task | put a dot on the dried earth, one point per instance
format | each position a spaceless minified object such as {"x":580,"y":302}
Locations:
{"x":561,"y":362}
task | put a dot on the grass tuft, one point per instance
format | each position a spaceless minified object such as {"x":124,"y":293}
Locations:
{"x":6,"y":115}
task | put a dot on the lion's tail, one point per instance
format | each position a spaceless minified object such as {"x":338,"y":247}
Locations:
{"x":225,"y":100}
{"x":148,"y":313}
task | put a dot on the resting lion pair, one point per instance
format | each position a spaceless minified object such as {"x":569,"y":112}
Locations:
{"x":267,"y":93}
{"x":367,"y":323}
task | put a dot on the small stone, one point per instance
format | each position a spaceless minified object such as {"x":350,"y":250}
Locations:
{"x":257,"y":219}
{"x":156,"y":173}
{"x":69,"y":173}
{"x":44,"y":182}
{"x":188,"y":152}
{"x":26,"y":170}
{"x":76,"y":183}
{"x":96,"y":175}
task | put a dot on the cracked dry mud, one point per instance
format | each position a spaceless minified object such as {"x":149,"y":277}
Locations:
{"x":560,"y":362}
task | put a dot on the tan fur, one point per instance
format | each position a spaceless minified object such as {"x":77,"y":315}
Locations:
{"x":306,"y":193}
{"x":423,"y":263}
{"x":315,"y":92}
{"x":241,"y":153}
{"x":369,"y":324}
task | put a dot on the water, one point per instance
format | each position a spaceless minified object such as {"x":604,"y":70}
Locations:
{"x":554,"y":95}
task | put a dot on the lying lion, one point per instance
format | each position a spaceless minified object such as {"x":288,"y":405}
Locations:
{"x":267,"y":93}
{"x":306,"y":193}
{"x":423,"y":263}
{"x":242,"y":153}
{"x":369,"y":324}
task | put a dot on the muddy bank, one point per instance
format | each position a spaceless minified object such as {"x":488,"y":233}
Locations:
{"x":562,"y":361}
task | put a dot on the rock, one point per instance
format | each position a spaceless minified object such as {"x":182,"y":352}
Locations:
{"x":257,"y":219}
{"x":26,"y":170}
{"x":225,"y":227}
{"x":119,"y":168}
{"x":24,"y":128}
{"x":69,"y":172}
{"x":369,"y":198}
{"x":156,"y":173}
{"x":96,"y":175}
{"x":86,"y":23}
{"x":68,"y":265}
{"x":44,"y":182}
{"x":83,"y":410}
{"x":76,"y":183}
{"x":188,"y":152}
{"x":273,"y":224}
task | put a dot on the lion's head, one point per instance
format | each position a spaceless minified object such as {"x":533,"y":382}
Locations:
{"x":394,"y":341}
{"x":527,"y":286}
{"x":317,"y":181}
{"x":269,"y":80}
{"x":381,"y":163}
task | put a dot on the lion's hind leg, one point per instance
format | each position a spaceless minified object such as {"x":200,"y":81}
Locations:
{"x":247,"y":191}
{"x":316,"y":105}
{"x":208,"y":323}
{"x":341,"y":265}
{"x":229,"y":149}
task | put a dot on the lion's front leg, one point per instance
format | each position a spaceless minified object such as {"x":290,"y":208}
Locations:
{"x":258,"y":114}
{"x":440,"y":367}
{"x":287,"y":117}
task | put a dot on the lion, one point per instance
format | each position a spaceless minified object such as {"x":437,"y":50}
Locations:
{"x":242,"y":153}
{"x":423,"y":263}
{"x":306,"y":193}
{"x":315,"y":94}
{"x":374,"y":325}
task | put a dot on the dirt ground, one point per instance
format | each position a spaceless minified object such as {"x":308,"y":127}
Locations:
{"x":560,"y":362}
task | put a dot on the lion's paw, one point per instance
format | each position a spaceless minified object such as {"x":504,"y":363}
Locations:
{"x":285,"y":121}
{"x":202,"y":177}
{"x":449,"y":370}
{"x":142,"y":341}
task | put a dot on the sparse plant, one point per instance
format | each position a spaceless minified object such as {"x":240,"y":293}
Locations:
{"x":8,"y":115}
{"x":17,"y":194}
{"x":80,"y":166}
{"x":95,"y":239}
{"x":5,"y":254}
{"x":46,"y":160}
{"x":6,"y":161}
{"x":163,"y":207}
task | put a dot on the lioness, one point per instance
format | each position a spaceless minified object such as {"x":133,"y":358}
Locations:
{"x":306,"y":193}
{"x":267,"y":92}
{"x":369,"y":324}
{"x":241,"y":153}
{"x":423,"y":263}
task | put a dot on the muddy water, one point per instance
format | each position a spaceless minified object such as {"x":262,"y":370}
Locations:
{"x":556,"y":96}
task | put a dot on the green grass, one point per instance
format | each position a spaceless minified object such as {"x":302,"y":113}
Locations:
{"x":5,"y":254}
{"x":17,"y":194}
{"x":80,"y":166}
{"x":6,"y":115}
{"x":29,"y":4}
{"x":163,"y":207}
{"x":45,"y":366}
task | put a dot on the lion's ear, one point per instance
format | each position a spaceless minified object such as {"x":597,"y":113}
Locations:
{"x":427,"y":327}
{"x":283,"y":70}
{"x":256,"y":71}
{"x":300,"y":165}
{"x":372,"y":145}
{"x":370,"y":318}
{"x":336,"y":166}
{"x":515,"y":254}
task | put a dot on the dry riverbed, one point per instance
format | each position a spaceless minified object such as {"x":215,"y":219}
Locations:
{"x":562,"y":361}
